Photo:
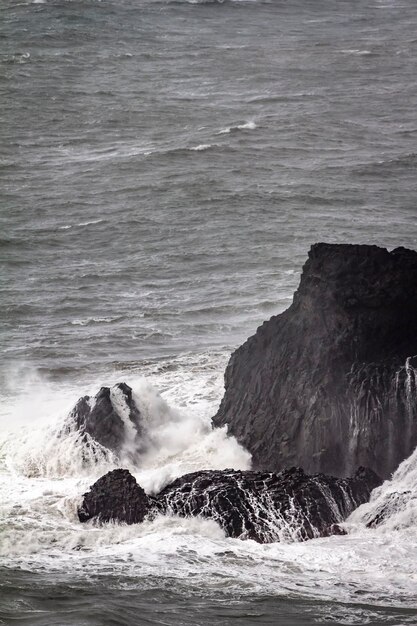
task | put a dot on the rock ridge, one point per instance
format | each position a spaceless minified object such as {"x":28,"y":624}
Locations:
{"x":263,"y":506}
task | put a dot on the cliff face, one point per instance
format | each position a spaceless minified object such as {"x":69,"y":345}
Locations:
{"x":330,"y":385}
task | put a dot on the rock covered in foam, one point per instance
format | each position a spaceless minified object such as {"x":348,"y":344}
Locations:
{"x":330,"y":384}
{"x":116,"y":496}
{"x":266,"y":507}
{"x":111,"y":418}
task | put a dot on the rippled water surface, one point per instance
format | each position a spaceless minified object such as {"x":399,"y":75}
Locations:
{"x":165,"y":166}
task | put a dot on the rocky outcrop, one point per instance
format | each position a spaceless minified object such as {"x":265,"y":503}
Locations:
{"x":266,"y":507}
{"x":111,"y":418}
{"x":330,"y":384}
{"x":116,"y":496}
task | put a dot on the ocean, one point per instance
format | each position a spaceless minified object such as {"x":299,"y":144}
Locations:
{"x":165,"y":166}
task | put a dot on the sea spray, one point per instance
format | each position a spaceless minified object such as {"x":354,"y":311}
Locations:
{"x":175,"y":442}
{"x":393,"y":505}
{"x":179,"y":442}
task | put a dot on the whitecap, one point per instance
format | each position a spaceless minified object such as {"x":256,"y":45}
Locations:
{"x":201,"y":147}
{"x":247,"y":126}
{"x":357,"y":52}
{"x":95,"y":320}
{"x":90,"y":222}
{"x":250,"y":125}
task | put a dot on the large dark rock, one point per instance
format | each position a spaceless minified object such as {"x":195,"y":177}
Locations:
{"x":116,"y":496}
{"x":111,"y":418}
{"x":266,"y":507}
{"x":330,"y":384}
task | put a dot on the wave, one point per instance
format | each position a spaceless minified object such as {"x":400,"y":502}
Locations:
{"x":202,"y":146}
{"x":359,"y":53}
{"x":41,"y":530}
{"x":396,"y":164}
{"x":251,"y":125}
{"x":177,"y":442}
{"x":213,"y":1}
{"x":65,"y":536}
{"x":88,"y":321}
{"x":43,"y":474}
{"x":393,"y":506}
{"x":17,"y":58}
{"x":87,"y":223}
{"x":90,"y":222}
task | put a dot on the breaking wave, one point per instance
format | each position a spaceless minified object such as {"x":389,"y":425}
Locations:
{"x":393,"y":506}
{"x":177,"y":442}
{"x":46,"y":468}
{"x":244,"y":126}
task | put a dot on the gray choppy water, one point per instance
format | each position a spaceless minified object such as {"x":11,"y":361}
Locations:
{"x":134,"y":223}
{"x":165,"y":166}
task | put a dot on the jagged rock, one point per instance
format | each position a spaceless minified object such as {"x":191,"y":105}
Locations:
{"x":266,"y":507}
{"x":116,"y":496}
{"x":111,"y":418}
{"x":330,"y":384}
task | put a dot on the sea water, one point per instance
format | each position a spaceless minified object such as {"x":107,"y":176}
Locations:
{"x":165,"y":167}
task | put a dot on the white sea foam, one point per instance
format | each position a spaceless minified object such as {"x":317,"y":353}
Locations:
{"x":90,"y":222}
{"x":357,"y":52}
{"x":250,"y":125}
{"x":201,"y":147}
{"x":95,"y":320}
{"x":43,"y":477}
{"x":176,"y":441}
{"x":395,"y":502}
{"x":247,"y":126}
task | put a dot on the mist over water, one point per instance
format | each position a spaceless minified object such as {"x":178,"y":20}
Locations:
{"x":165,"y":167}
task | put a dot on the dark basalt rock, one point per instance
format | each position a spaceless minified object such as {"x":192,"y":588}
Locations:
{"x":111,"y":418}
{"x":266,"y":507}
{"x":330,"y":384}
{"x":116,"y":496}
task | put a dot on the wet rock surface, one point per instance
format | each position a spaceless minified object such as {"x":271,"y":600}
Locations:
{"x":330,"y":384}
{"x":111,"y":418}
{"x":263,"y":506}
{"x":267,"y":507}
{"x":116,"y":496}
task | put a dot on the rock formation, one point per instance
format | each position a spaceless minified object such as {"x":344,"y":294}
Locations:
{"x":111,"y":418}
{"x":266,"y":507}
{"x":115,"y":496}
{"x":330,"y":384}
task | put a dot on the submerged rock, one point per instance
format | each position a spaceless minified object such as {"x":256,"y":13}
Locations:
{"x":111,"y":418}
{"x":266,"y":507}
{"x":330,"y":384}
{"x":116,"y":496}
